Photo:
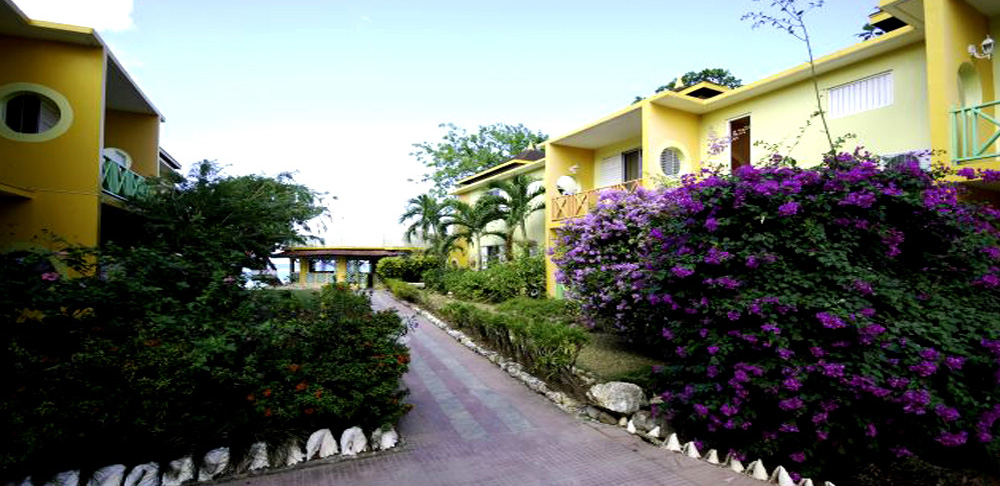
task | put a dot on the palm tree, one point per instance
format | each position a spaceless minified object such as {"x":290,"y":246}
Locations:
{"x":516,"y":199}
{"x":428,"y":214}
{"x":473,"y":220}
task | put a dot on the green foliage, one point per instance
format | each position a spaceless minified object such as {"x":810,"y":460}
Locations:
{"x":470,"y":221}
{"x":428,"y":213}
{"x":460,"y":154}
{"x":502,"y":281}
{"x":404,"y":291}
{"x":718,"y":76}
{"x":114,"y":367}
{"x":408,"y":268}
{"x":518,"y":198}
{"x":544,"y":346}
{"x":557,"y":311}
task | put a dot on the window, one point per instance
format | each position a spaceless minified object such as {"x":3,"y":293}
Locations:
{"x":632,"y":165}
{"x":30,"y":113}
{"x":862,"y":95}
{"x":323,"y":265}
{"x":739,"y":143}
{"x":670,"y":161}
{"x":626,"y":166}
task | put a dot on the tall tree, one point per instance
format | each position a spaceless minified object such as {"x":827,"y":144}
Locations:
{"x":718,"y":76}
{"x":471,"y":221}
{"x":789,"y":17}
{"x":460,"y":154}
{"x":517,"y":198}
{"x":428,"y":214}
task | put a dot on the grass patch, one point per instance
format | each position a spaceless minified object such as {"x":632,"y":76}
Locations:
{"x":609,"y":358}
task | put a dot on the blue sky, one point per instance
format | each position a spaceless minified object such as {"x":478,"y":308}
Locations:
{"x":338,"y":91}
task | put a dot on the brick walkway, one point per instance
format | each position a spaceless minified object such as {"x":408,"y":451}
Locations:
{"x":473,"y":424}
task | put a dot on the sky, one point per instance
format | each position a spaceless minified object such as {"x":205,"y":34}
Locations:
{"x":338,"y":91}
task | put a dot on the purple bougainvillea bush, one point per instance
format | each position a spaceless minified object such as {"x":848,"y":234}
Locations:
{"x":819,"y":317}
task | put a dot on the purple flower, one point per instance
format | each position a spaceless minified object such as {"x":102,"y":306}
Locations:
{"x":954,"y":363}
{"x":711,"y":224}
{"x":50,"y":276}
{"x":863,"y":287}
{"x":701,"y":409}
{"x":872,"y":330}
{"x":870,"y":430}
{"x":822,"y":435}
{"x":733,"y":315}
{"x":788,"y":404}
{"x":785,"y":353}
{"x":667,"y":334}
{"x":948,"y":414}
{"x":656,"y":233}
{"x":833,"y":370}
{"x":703,"y":332}
{"x":967,"y":173}
{"x":729,"y":410}
{"x":798,"y":456}
{"x":682,"y":272}
{"x":820,"y":418}
{"x":992,"y":251}
{"x":712,"y":371}
{"x":915,"y":401}
{"x":830,"y":321}
{"x":929,"y":354}
{"x":752,"y":262}
{"x":989,"y":281}
{"x":788,"y":209}
{"x":788,"y":428}
{"x":897,"y":382}
{"x":949,"y":439}
{"x":924,"y":368}
{"x":772,"y":328}
{"x":681,"y":351}
{"x":792,"y":384}
{"x":817,"y":351}
{"x":859,"y":199}
{"x":901,"y":452}
{"x":712,"y":350}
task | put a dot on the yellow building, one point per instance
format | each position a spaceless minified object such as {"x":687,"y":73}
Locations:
{"x":529,"y":162}
{"x":315,"y":266}
{"x":925,"y":84}
{"x":77,"y":136}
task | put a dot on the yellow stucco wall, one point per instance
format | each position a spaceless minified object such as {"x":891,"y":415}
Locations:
{"x":62,"y":174}
{"x":778,"y":117}
{"x":138,"y":135}
{"x":951,"y":25}
{"x":665,"y":128}
{"x":558,"y":160}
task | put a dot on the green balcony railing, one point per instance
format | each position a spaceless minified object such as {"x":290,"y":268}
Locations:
{"x":974,"y":133}
{"x":121,"y":182}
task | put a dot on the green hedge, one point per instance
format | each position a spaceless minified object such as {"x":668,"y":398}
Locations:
{"x":498,"y":283}
{"x":544,"y":346}
{"x":110,"y":367}
{"x":408,"y":269}
{"x":404,"y":291}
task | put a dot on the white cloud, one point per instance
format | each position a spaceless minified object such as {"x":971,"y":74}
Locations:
{"x":102,"y":15}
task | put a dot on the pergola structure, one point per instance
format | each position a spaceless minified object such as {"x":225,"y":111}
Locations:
{"x":353,"y":265}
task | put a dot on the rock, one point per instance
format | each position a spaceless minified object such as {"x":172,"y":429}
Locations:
{"x":712,"y":457}
{"x":655,"y":433}
{"x":292,"y":453}
{"x":781,"y":477}
{"x":623,"y":422}
{"x":644,"y":421}
{"x":214,"y":462}
{"x":144,"y":475}
{"x":756,"y":470}
{"x":630,"y":427}
{"x":257,"y":457}
{"x":672,"y":443}
{"x":617,"y":396}
{"x":691,"y":450}
{"x":806,"y":482}
{"x":179,"y":471}
{"x":353,"y":441}
{"x":734,"y":464}
{"x":108,"y":476}
{"x":321,"y":444}
{"x":66,"y":478}
{"x":387,"y":440}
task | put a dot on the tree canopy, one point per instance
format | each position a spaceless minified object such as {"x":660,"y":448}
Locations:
{"x":718,"y":76}
{"x":460,"y":154}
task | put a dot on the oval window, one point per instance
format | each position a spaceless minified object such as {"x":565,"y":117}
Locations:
{"x":31,"y":113}
{"x":670,"y":161}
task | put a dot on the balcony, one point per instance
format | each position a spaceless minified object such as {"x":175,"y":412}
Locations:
{"x":974,"y":133}
{"x":576,"y":205}
{"x":120,"y":182}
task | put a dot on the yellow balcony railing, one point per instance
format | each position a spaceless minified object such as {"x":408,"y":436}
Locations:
{"x":576,"y":205}
{"x":121,"y":182}
{"x":974,"y":133}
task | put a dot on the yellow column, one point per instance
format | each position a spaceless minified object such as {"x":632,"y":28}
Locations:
{"x":341,"y":269}
{"x":303,"y":269}
{"x":558,"y":161}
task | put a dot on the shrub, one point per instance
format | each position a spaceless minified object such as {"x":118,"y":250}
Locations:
{"x":111,"y":367}
{"x":499,"y":282}
{"x":404,"y":291}
{"x":828,"y":317}
{"x":559,"y":311}
{"x":408,"y":268}
{"x":543,"y":346}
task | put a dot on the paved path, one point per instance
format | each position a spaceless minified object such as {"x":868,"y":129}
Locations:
{"x":472,"y":424}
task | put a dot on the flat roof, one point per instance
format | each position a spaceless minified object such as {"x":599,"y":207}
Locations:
{"x":356,"y":251}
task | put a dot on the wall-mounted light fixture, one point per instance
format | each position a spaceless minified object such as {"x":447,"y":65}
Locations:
{"x":987,"y":47}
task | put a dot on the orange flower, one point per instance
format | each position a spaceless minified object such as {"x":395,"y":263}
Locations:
{"x":319,"y":393}
{"x":301,"y":386}
{"x":267,"y":412}
{"x":250,"y":397}
{"x":294,"y":367}
{"x":267,"y":392}
{"x":309,"y":411}
{"x":151,"y":343}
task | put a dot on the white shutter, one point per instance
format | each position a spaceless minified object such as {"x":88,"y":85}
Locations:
{"x":609,"y":171}
{"x":862,"y":95}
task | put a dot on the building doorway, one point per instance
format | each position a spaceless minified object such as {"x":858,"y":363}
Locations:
{"x":739,"y":142}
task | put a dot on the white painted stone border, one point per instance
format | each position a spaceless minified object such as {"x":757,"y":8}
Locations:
{"x":215,"y":465}
{"x":754,"y":469}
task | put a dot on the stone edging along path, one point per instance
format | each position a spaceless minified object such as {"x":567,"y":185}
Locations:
{"x":650,"y":433}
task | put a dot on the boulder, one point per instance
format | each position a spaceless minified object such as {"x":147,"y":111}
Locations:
{"x":214,"y":462}
{"x":178,"y":471}
{"x":644,"y":421}
{"x":292,"y":453}
{"x":321,"y":444}
{"x":144,"y":475}
{"x":618,"y":396}
{"x":108,"y":476}
{"x":384,"y":439}
{"x":67,"y":478}
{"x":353,"y":442}
{"x":256,"y":457}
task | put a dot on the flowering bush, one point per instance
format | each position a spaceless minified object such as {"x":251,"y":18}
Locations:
{"x":811,"y":316}
{"x":112,"y":367}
